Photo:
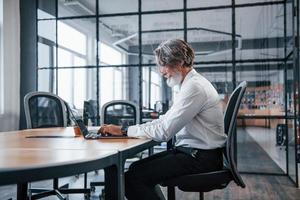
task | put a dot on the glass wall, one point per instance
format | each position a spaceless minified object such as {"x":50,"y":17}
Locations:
{"x":100,"y":50}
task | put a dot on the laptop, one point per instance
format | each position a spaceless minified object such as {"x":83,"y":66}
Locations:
{"x":93,"y":134}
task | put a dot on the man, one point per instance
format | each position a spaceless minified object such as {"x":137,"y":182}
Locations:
{"x":195,"y":118}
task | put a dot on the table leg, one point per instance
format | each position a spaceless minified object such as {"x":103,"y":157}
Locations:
{"x":121,"y":180}
{"x":111,"y":188}
{"x":22,"y":189}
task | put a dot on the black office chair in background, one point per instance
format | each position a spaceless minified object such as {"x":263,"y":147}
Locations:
{"x":205,"y":182}
{"x":118,"y":112}
{"x":90,"y":112}
{"x":45,"y":110}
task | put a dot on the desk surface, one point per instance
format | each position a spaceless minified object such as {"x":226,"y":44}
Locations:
{"x":18,"y":139}
{"x":24,"y":159}
{"x":26,"y":165}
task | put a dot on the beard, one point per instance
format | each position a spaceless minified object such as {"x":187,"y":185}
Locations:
{"x":174,"y":80}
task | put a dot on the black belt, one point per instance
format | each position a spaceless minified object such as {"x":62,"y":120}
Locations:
{"x":194,"y":151}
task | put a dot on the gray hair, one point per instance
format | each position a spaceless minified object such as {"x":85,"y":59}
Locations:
{"x":173,"y":53}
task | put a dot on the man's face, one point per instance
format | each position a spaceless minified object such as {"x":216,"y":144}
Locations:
{"x":172,"y":74}
{"x":167,"y":71}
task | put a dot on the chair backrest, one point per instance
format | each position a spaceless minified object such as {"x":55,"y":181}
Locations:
{"x":44,"y":109}
{"x":90,"y":111}
{"x":229,"y":126}
{"x":120,"y":112}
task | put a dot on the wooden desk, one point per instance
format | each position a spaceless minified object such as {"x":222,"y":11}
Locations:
{"x":21,"y":166}
{"x":49,"y":155}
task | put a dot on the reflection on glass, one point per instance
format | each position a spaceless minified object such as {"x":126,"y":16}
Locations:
{"x":46,"y":9}
{"x":110,"y":56}
{"x":76,"y":8}
{"x":290,"y":88}
{"x":119,"y":34}
{"x":47,"y":31}
{"x":46,"y":80}
{"x":113,"y":85}
{"x":64,"y":39}
{"x":207,"y":3}
{"x":46,"y":43}
{"x":291,"y":150}
{"x":152,"y":87}
{"x":261,"y":29}
{"x":76,"y":85}
{"x":264,"y":95}
{"x":78,"y":50}
{"x":211,"y":36}
{"x":162,"y":21}
{"x":46,"y":55}
{"x":154,"y":5}
{"x":151,"y":41}
{"x":251,"y":1}
{"x":289,"y":26}
{"x":117,"y":6}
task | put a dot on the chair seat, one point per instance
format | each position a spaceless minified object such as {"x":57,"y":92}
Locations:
{"x":203,"y":182}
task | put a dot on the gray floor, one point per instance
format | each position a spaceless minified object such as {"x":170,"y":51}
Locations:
{"x":251,"y":157}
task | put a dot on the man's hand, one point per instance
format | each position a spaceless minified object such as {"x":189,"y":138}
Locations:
{"x":111,"y":129}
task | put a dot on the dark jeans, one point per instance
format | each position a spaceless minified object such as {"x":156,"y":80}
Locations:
{"x":143,"y":176}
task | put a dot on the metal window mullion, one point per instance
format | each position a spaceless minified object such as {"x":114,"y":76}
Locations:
{"x":285,"y":86}
{"x":140,"y":76}
{"x":56,"y":46}
{"x":97,"y":63}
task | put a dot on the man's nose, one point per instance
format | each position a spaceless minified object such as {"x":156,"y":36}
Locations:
{"x":162,"y":71}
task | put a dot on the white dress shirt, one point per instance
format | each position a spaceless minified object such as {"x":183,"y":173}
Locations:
{"x":195,"y":117}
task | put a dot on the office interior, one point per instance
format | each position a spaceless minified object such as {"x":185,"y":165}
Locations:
{"x":96,"y":51}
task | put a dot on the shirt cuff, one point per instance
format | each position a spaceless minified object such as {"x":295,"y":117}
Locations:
{"x":135,"y":131}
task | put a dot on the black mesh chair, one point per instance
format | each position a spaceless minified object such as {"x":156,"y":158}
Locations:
{"x":205,"y":182}
{"x":90,"y":112}
{"x":118,"y":112}
{"x":45,"y":110}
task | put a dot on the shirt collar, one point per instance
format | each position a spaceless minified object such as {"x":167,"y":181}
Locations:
{"x":189,"y":75}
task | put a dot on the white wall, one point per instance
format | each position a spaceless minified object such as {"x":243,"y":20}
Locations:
{"x":10,"y":64}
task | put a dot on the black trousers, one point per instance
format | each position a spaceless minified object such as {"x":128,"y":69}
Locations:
{"x":143,"y":176}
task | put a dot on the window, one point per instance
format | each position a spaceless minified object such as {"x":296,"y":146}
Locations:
{"x":1,"y":61}
{"x":155,"y":88}
{"x":112,"y":85}
{"x":151,"y":87}
{"x":72,"y":82}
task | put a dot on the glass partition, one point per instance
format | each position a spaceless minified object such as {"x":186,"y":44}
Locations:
{"x":90,"y":57}
{"x":211,"y":36}
{"x":262,"y":31}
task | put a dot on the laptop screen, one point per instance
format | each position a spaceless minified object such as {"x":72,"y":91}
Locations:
{"x":82,"y":127}
{"x":79,"y":122}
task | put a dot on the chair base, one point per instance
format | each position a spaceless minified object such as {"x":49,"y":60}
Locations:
{"x":38,"y":193}
{"x":59,"y":192}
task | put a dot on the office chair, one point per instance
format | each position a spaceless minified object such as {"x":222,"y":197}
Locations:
{"x":45,"y":110}
{"x":118,"y":112}
{"x":90,"y":112}
{"x":205,"y":182}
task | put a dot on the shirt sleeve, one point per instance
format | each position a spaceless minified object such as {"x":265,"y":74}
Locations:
{"x":187,"y":106}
